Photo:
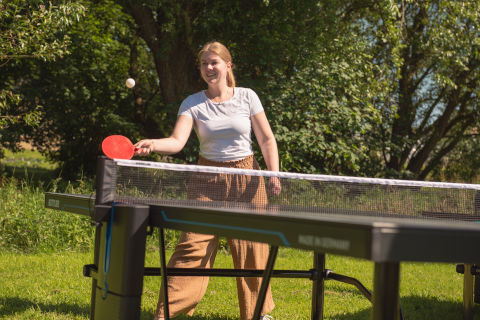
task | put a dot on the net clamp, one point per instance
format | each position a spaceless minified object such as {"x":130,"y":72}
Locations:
{"x":90,"y":270}
{"x":101,"y":213}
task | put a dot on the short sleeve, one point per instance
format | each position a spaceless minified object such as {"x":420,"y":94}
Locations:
{"x":255,"y":103}
{"x":186,"y":108}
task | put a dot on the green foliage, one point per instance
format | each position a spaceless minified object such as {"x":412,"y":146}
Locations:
{"x":83,"y":95}
{"x":33,"y":30}
{"x":26,"y":226}
{"x":461,"y":165}
{"x":436,"y":85}
{"x":323,"y":113}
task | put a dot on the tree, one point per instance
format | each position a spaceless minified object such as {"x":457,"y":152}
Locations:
{"x":32,"y":30}
{"x":436,"y":91}
{"x":84,"y":93}
{"x":325,"y":111}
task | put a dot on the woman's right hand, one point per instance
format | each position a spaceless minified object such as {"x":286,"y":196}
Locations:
{"x":144,"y":147}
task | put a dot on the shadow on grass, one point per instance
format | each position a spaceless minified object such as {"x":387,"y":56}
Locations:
{"x":15,"y":305}
{"x":415,"y":307}
{"x":210,"y":317}
{"x":10,"y":306}
{"x":419,"y":308}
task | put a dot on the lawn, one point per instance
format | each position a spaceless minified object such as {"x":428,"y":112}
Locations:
{"x":51,"y":286}
{"x":28,"y":164}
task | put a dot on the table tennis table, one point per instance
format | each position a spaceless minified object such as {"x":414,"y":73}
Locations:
{"x":386,"y":241}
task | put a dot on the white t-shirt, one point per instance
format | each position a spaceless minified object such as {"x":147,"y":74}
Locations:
{"x":224,"y":128}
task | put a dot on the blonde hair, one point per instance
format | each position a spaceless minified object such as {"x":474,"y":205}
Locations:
{"x":222,"y":51}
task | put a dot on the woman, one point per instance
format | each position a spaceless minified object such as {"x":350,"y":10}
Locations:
{"x":223,"y":117}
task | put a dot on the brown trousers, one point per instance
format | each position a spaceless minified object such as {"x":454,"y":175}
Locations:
{"x":196,"y":250}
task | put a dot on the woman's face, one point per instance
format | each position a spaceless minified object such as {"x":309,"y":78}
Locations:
{"x":214,"y":69}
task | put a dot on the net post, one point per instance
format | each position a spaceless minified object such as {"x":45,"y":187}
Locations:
{"x":105,"y":181}
{"x":119,"y":289}
{"x":105,"y":171}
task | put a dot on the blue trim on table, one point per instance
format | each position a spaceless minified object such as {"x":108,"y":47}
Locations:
{"x":222,"y":226}
{"x":76,"y":207}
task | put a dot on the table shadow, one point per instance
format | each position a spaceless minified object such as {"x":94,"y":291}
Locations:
{"x":13,"y":305}
{"x":419,"y":308}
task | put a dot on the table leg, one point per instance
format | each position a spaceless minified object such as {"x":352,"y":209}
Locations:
{"x":467,"y":292}
{"x":318,"y":286}
{"x":163,"y":271}
{"x":96,"y":259}
{"x":267,"y":274}
{"x":386,"y":295}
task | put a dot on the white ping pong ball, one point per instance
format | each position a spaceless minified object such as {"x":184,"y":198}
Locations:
{"x":130,"y":83}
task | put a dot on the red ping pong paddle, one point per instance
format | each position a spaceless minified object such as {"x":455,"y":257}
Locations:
{"x":118,"y":147}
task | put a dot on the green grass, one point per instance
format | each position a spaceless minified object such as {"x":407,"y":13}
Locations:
{"x":26,"y":226}
{"x":51,"y":286}
{"x":27,"y":164}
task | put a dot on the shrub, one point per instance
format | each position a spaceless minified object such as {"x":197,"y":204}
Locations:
{"x":27,"y":226}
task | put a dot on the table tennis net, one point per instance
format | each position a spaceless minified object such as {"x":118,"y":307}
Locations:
{"x":144,"y":182}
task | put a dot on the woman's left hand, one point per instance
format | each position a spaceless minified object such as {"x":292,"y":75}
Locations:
{"x":274,"y":186}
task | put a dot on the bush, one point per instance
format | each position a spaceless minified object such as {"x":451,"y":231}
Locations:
{"x":27,"y":226}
